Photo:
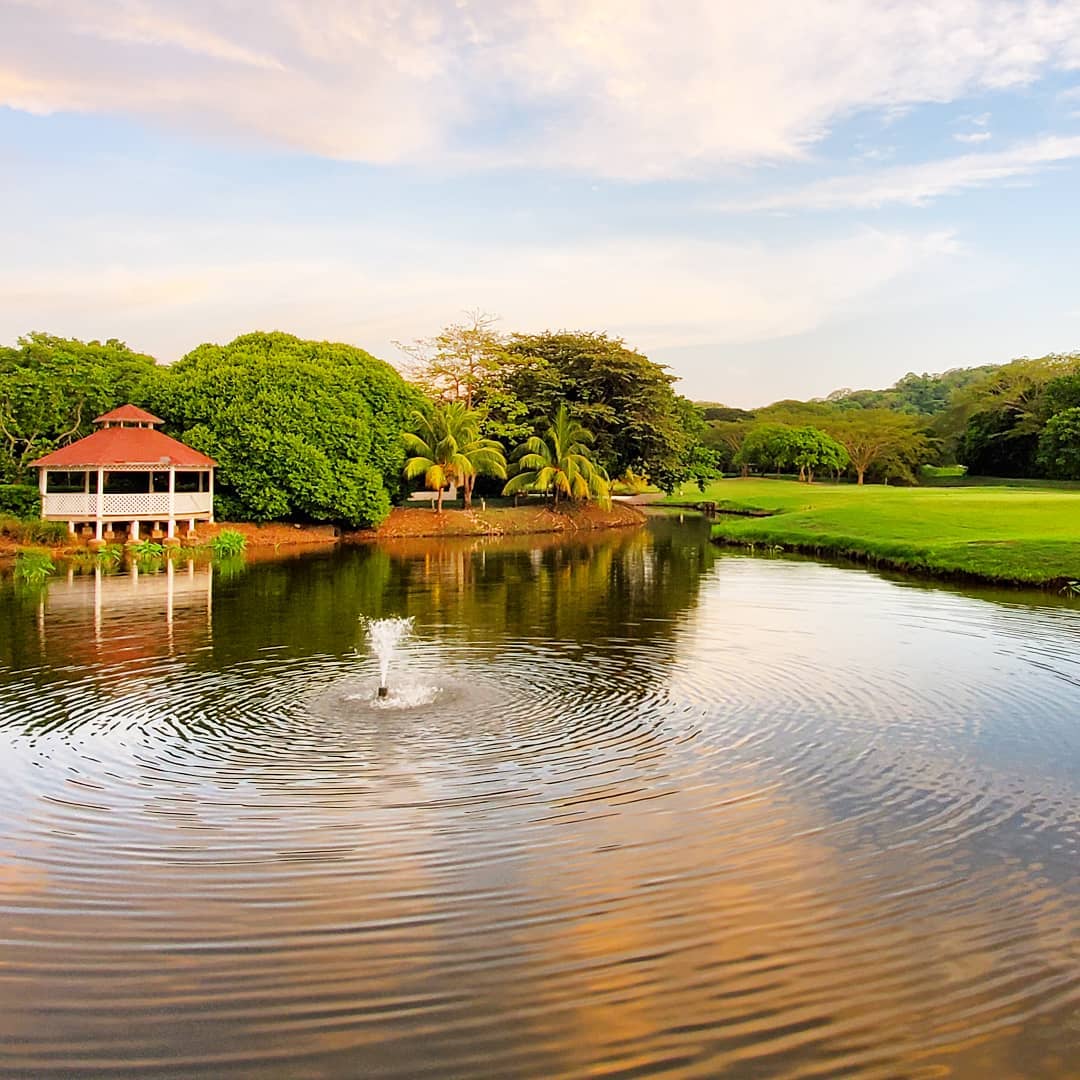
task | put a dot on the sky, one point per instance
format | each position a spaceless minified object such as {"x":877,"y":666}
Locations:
{"x":775,"y":199}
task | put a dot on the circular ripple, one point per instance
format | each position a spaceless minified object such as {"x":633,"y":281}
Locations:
{"x":795,"y":820}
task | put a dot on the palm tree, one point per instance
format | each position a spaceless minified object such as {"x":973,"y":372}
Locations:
{"x":561,"y":462}
{"x":446,"y":448}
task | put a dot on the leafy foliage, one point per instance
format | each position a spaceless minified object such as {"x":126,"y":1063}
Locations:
{"x":1059,"y":445}
{"x":228,"y":544}
{"x":33,"y":566}
{"x":560,"y":462}
{"x":625,"y":399}
{"x":21,"y":500}
{"x":446,"y":448}
{"x":300,"y":429}
{"x":51,"y":388}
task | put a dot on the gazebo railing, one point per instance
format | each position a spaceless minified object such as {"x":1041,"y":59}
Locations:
{"x":78,"y":506}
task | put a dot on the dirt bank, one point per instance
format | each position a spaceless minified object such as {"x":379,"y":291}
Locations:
{"x":499,"y":521}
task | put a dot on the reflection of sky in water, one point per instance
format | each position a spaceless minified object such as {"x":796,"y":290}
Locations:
{"x":674,"y":810}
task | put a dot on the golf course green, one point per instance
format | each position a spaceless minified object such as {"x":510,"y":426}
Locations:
{"x":1021,"y":535}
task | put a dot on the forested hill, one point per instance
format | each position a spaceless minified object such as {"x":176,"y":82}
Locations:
{"x":923,"y":395}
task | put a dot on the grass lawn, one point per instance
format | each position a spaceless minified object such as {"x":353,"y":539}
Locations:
{"x":1028,"y":535}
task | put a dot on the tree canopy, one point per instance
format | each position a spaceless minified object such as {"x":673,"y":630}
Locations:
{"x":51,"y":388}
{"x":306,"y":429}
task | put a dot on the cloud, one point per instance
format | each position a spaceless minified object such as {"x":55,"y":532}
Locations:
{"x":656,"y":292}
{"x":917,"y":185}
{"x":972,"y":136}
{"x":622,"y":88}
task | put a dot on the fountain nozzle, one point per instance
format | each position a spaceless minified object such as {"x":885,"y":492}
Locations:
{"x":383,"y":691}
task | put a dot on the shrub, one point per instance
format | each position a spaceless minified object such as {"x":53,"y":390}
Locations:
{"x":33,"y":532}
{"x":21,"y":500}
{"x":228,"y":543}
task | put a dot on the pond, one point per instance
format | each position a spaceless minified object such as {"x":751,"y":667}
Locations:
{"x":636,"y":806}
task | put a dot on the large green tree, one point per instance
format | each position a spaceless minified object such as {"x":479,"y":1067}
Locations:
{"x":307,"y":430}
{"x":1059,"y":445}
{"x":51,"y":388}
{"x":891,"y":445}
{"x":625,"y":399}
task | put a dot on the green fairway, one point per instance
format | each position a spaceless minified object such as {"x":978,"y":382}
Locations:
{"x":997,"y":533}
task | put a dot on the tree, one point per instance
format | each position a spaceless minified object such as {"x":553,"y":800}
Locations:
{"x":767,"y":446}
{"x":893,"y":442}
{"x":51,"y":388}
{"x":812,"y":449}
{"x":561,"y":462}
{"x":447,"y":449}
{"x":617,"y":393}
{"x":452,"y":365}
{"x":1059,"y":445}
{"x":726,"y":438}
{"x":307,"y":430}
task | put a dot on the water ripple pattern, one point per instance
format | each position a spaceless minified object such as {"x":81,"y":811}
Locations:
{"x":633,"y":807}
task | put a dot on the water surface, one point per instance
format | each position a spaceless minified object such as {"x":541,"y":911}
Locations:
{"x":645,"y":808}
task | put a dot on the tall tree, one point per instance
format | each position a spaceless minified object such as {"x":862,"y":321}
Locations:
{"x":893,"y":442}
{"x":51,"y":388}
{"x":452,"y":365}
{"x":619,"y":394}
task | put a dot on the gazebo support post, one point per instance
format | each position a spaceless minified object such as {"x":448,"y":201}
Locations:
{"x":99,"y":530}
{"x":172,"y":502}
{"x":133,"y":534}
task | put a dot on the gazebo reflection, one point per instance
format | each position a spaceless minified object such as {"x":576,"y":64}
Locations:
{"x":125,"y":617}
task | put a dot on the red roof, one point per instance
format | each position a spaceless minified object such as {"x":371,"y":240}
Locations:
{"x":129,"y":412}
{"x":125,"y":446}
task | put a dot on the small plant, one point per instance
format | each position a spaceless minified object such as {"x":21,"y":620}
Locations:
{"x":33,"y":566}
{"x":110,"y":555}
{"x":147,"y":549}
{"x":1071,"y":588}
{"x":228,"y":544}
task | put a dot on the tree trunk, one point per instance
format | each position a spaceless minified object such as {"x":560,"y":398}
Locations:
{"x":862,"y":473}
{"x":810,"y":476}
{"x":467,"y":488}
{"x":438,"y":502}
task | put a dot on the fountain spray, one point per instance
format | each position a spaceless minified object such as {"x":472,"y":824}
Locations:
{"x":386,"y":635}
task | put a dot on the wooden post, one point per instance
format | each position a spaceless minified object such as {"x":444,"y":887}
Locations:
{"x":134,"y":534}
{"x":210,"y":473}
{"x":99,"y":531}
{"x":172,"y":502}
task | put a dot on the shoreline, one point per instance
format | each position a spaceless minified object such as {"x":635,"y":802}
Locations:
{"x":529,"y":520}
{"x":402,"y":523}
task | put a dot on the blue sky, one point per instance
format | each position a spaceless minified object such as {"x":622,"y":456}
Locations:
{"x":775,"y":199}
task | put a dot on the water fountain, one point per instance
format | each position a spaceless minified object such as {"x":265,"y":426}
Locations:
{"x":386,"y":635}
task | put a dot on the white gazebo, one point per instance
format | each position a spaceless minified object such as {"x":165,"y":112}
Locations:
{"x":127,"y":472}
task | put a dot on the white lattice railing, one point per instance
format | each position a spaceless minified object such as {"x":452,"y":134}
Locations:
{"x":145,"y":505}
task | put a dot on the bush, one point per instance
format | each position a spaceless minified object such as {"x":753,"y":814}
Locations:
{"x":21,"y":500}
{"x":33,"y":532}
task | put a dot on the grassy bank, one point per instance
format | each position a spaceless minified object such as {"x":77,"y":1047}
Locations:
{"x":1015,"y":535}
